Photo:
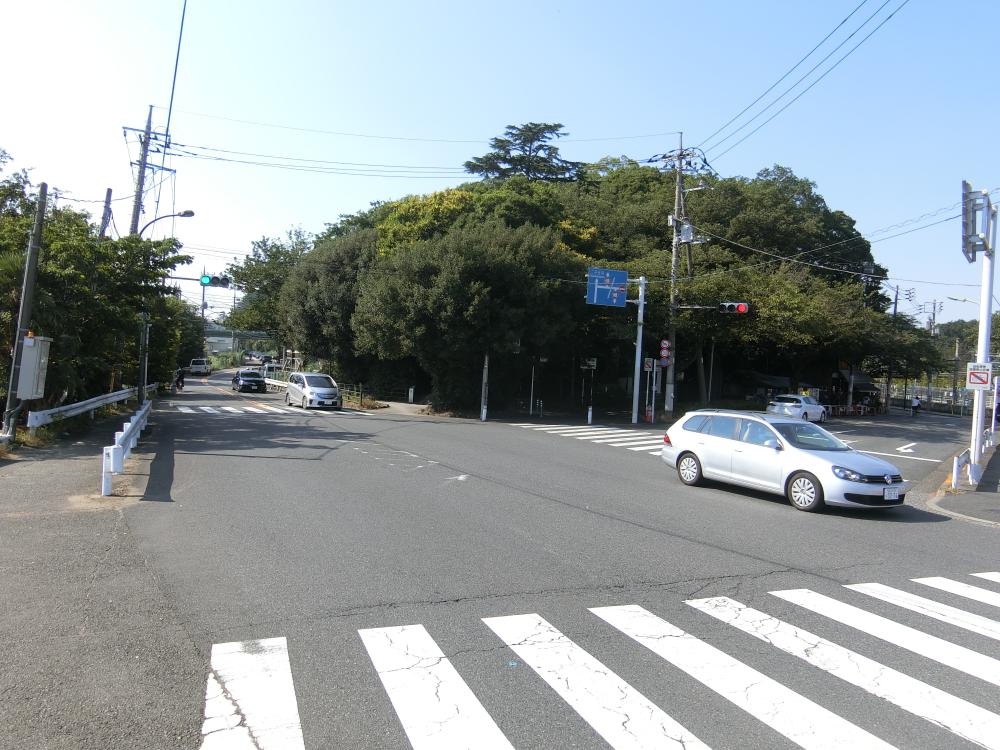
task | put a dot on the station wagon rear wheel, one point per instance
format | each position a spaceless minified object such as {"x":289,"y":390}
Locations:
{"x":689,"y":469}
{"x":287,"y":402}
{"x":805,"y":492}
{"x":303,"y":402}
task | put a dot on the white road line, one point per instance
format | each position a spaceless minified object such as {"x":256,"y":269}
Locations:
{"x":943,"y":612}
{"x":569,"y":430}
{"x":250,"y":698}
{"x":988,"y":576}
{"x":274,"y":408}
{"x":232,"y":409}
{"x":623,"y":442}
{"x":945,"y":652}
{"x":961,"y":589}
{"x":896,"y":455}
{"x":185,"y":409}
{"x":647,"y":446}
{"x":630,"y":433}
{"x":607,"y":433}
{"x":252,"y":410}
{"x":656,"y":453}
{"x":936,"y":706}
{"x":434,"y":704}
{"x":616,"y":710}
{"x":209,"y":409}
{"x":805,"y":723}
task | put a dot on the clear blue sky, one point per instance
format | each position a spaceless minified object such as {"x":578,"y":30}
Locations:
{"x":887,"y":136}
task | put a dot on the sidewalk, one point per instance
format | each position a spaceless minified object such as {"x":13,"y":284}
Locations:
{"x":94,"y":654}
{"x":982,"y":502}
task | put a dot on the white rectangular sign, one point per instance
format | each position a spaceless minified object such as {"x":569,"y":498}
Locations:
{"x":979,"y":376}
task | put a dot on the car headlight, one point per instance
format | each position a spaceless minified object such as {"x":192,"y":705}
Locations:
{"x":848,"y":474}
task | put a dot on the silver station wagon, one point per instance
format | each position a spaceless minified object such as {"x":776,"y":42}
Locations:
{"x":785,"y":455}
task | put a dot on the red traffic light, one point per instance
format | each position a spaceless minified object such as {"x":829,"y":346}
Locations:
{"x":739,"y":308}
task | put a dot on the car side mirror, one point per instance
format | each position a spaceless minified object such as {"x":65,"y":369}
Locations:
{"x":772,"y":443}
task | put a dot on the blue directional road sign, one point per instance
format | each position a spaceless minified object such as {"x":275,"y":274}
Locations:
{"x":607,"y":287}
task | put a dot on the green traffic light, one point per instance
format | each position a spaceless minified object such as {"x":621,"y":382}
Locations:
{"x":206,"y":280}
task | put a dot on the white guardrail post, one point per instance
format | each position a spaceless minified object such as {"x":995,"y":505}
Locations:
{"x":114,"y":455}
{"x":962,"y":459}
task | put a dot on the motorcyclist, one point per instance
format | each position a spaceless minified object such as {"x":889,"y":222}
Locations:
{"x":179,"y":379}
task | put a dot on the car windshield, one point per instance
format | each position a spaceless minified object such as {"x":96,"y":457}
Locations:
{"x":809,"y":437}
{"x":320,"y":381}
{"x":250,"y":375}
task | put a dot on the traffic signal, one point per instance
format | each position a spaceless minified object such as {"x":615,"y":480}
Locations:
{"x":222,"y":281}
{"x":739,"y":308}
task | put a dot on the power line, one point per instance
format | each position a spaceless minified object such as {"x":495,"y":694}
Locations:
{"x":787,"y":73}
{"x":801,"y":93}
{"x":399,"y":174}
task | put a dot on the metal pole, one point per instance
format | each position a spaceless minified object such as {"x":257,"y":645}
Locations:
{"x":668,"y":398}
{"x":486,"y":387}
{"x":531,"y":392}
{"x":983,"y":344}
{"x":638,"y":350}
{"x":24,"y":314}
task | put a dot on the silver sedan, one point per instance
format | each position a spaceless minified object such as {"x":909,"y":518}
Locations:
{"x":779,"y":454}
{"x":794,"y":405}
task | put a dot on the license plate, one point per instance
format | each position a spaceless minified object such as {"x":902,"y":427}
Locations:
{"x":890,"y":493}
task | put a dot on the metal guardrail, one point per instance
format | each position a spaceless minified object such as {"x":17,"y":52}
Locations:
{"x":114,"y":455}
{"x":39,"y":418}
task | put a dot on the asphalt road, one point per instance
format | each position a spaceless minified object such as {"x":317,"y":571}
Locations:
{"x":416,"y":581}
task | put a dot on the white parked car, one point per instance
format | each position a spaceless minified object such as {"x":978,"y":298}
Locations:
{"x":793,"y":405}
{"x":783,"y":455}
{"x":308,"y":389}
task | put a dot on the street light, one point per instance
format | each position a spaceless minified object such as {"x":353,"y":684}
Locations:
{"x":144,"y":334}
{"x":183,"y":214}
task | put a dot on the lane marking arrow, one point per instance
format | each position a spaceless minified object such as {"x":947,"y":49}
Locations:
{"x":906,"y":448}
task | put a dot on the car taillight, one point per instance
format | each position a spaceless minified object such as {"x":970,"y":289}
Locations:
{"x":666,"y":440}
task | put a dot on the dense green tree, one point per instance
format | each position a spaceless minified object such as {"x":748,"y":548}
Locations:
{"x":260,"y":276}
{"x":482,"y":288}
{"x":525,"y":150}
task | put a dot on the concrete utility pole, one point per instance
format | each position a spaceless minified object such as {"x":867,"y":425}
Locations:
{"x":675,"y":246}
{"x":638,"y":350}
{"x":24,"y":316}
{"x":140,"y":180}
{"x":106,"y":216}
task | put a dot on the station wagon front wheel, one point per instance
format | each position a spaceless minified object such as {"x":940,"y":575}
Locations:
{"x":805,"y":492}
{"x":689,"y":469}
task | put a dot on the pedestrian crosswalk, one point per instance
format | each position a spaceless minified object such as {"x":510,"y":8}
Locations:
{"x":261,"y":409}
{"x":250,"y":696}
{"x":437,"y":708}
{"x":639,"y":441}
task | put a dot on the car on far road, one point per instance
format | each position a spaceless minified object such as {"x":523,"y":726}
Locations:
{"x":793,"y":405}
{"x":309,"y":389}
{"x":249,"y":380}
{"x":200,"y":367}
{"x":782,"y":455}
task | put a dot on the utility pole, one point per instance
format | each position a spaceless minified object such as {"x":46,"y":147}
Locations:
{"x":140,"y":180}
{"x":24,"y":315}
{"x":106,"y":216}
{"x":675,"y":246}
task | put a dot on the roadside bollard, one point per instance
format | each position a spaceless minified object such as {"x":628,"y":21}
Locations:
{"x":106,"y":472}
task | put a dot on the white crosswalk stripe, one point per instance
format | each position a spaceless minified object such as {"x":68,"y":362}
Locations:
{"x":799,"y":719}
{"x":209,"y":409}
{"x":962,"y":589}
{"x":616,"y":710}
{"x":263,"y":409}
{"x":614,"y":437}
{"x":437,"y":708}
{"x":434,"y":704}
{"x":943,"y":612}
{"x":958,"y":716}
{"x":950,"y":654}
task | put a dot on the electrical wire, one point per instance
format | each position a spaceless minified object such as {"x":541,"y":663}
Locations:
{"x":801,"y":93}
{"x":399,"y":174}
{"x":787,"y":73}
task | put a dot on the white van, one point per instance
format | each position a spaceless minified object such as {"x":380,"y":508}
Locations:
{"x":200,"y":367}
